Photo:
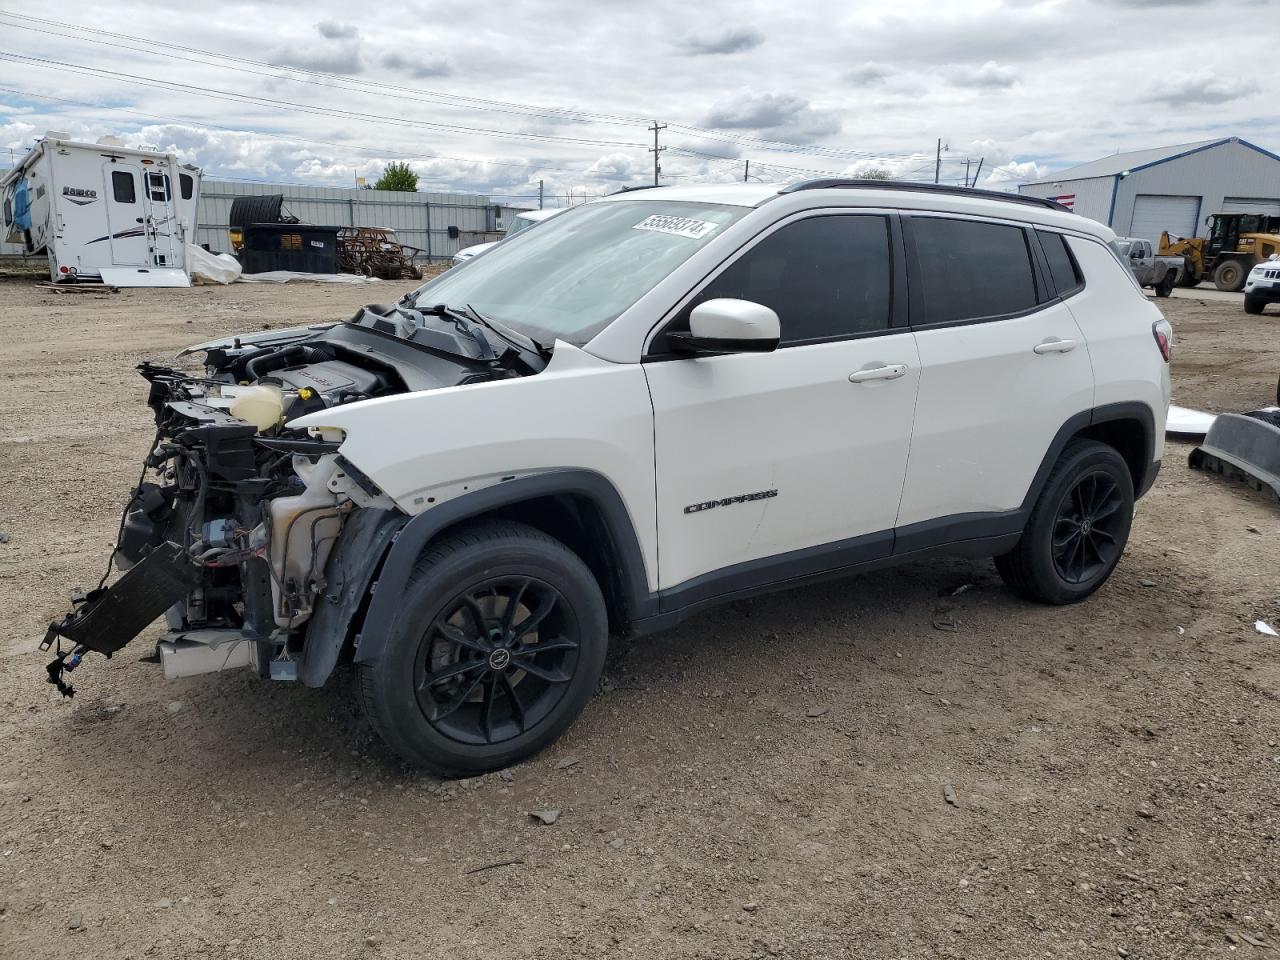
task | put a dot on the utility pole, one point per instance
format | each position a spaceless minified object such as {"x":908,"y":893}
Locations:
{"x":746,"y":171}
{"x":981,"y":161}
{"x":966,"y":171}
{"x":937,"y":166}
{"x":656,"y":150}
{"x":540,"y":186}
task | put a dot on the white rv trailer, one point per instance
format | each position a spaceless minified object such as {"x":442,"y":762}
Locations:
{"x":103,"y":211}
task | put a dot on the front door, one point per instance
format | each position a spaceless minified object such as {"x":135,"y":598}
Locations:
{"x":773,"y":466}
{"x":126,"y":215}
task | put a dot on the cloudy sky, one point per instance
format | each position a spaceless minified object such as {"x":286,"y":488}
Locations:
{"x":494,"y":99}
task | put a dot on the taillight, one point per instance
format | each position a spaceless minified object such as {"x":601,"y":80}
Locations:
{"x":1164,"y":338}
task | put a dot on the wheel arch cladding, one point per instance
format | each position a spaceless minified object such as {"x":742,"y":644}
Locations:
{"x":1129,"y":427}
{"x":579,"y":507}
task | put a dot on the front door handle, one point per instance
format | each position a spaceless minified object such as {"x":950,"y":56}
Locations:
{"x":1054,"y":345}
{"x":890,"y":371}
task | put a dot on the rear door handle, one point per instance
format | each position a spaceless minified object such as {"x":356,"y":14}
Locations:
{"x":1054,"y":345}
{"x":890,"y":371}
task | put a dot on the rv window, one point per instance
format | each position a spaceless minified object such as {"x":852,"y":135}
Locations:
{"x":122,"y":186}
{"x":186,"y":185}
{"x":158,"y":186}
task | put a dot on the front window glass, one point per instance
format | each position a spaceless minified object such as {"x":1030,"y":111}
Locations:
{"x":825,"y":277}
{"x":579,"y":271}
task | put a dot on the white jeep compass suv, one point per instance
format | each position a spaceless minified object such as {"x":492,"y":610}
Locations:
{"x":651,"y":404}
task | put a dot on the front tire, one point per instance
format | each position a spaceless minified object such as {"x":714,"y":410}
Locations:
{"x":1229,"y":276}
{"x":1078,"y":527}
{"x":499,"y":643}
{"x":1254,"y":305}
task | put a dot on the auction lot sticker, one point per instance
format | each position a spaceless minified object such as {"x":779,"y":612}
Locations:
{"x":678,"y":226}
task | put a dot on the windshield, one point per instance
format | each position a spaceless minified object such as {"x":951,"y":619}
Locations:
{"x":577,"y":272}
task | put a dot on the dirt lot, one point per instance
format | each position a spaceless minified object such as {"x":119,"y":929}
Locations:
{"x":766,"y":780}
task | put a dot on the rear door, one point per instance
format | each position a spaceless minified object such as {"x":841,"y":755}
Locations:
{"x":126,"y":215}
{"x":776,"y":465}
{"x":1003,"y":366}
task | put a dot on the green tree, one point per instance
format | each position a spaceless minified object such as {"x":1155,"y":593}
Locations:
{"x":397,"y":176}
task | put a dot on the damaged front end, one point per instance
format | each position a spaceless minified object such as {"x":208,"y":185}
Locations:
{"x":232,"y":530}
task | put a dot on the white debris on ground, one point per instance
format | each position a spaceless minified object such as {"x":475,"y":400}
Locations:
{"x":1184,"y":421}
{"x":206,"y":267}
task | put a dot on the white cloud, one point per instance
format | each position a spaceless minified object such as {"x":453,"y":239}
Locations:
{"x":332,"y":30}
{"x":731,"y":40}
{"x":1009,"y":174}
{"x":1057,"y":83}
{"x":989,"y":75}
{"x":613,"y":166}
{"x":417,"y":65}
{"x":1203,"y":87}
{"x":778,"y":116}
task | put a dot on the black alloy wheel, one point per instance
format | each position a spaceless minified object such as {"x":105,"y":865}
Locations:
{"x":1088,"y":528}
{"x":499,"y":642}
{"x":496,"y":660}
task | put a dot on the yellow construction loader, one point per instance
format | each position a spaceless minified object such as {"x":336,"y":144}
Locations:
{"x":1236,"y":242}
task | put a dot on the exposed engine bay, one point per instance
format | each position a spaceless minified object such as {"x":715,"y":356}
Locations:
{"x":235,"y":518}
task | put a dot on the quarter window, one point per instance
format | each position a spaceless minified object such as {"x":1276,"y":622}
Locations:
{"x":186,"y":185}
{"x":1062,"y":266}
{"x":122,"y":186}
{"x":971,"y":270}
{"x":825,"y":277}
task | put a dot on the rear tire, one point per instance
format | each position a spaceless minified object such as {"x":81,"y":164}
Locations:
{"x":1165,"y":286}
{"x":1078,"y":527}
{"x":1254,"y":305}
{"x":1230,"y":276}
{"x":499,"y":643}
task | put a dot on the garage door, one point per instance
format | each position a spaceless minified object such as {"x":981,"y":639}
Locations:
{"x":1270,"y":208}
{"x":1153,"y":214}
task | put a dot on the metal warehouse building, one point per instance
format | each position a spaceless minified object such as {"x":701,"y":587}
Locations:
{"x":1143,"y":193}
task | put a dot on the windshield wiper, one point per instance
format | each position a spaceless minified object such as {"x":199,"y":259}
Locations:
{"x":517,"y":339}
{"x":466,"y":326}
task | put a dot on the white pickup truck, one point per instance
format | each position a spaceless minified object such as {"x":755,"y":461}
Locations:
{"x":1150,"y":269}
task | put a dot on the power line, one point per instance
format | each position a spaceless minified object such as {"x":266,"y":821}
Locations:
{"x":213,"y":93}
{"x":373,"y":152}
{"x":422,"y":95}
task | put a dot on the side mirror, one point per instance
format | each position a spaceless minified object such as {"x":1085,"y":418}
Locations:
{"x":728,"y":326}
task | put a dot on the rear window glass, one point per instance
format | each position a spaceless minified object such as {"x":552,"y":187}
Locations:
{"x":971,"y":270}
{"x":1062,"y":266}
{"x":186,"y":185}
{"x":122,"y":186}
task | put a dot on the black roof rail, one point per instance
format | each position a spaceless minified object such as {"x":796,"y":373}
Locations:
{"x":845,"y":183}
{"x":647,"y":186}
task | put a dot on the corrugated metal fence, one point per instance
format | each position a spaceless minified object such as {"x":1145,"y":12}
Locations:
{"x":439,"y":223}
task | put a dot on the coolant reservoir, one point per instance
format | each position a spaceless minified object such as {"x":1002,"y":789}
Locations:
{"x":303,"y":530}
{"x":260,"y":404}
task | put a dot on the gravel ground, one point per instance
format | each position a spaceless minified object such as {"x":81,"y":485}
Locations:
{"x":770,"y":779}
